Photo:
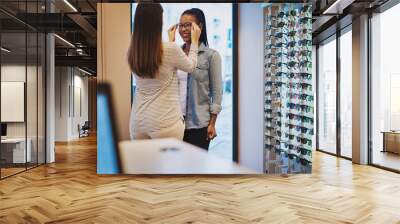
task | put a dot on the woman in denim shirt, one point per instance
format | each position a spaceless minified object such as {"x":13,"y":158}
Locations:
{"x":204,"y":84}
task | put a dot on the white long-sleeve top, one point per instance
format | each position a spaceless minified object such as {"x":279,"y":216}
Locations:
{"x":182,"y":82}
{"x":157,"y":102}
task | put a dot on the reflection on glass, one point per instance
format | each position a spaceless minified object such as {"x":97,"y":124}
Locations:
{"x":13,"y":87}
{"x":31,"y":100}
{"x":41,"y":150}
{"x":346,"y":94}
{"x":327,"y":97}
{"x":385,"y":92}
{"x":22,"y":90}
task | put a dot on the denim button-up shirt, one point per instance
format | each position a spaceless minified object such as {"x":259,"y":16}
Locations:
{"x":204,"y":93}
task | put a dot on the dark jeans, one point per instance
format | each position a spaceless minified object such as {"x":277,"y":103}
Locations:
{"x":197,"y":137}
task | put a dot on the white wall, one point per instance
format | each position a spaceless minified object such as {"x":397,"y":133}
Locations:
{"x":80,"y":83}
{"x":67,"y":115}
{"x":33,"y":126}
{"x":61,"y":103}
{"x":17,"y":73}
{"x":12,"y":73}
{"x":251,"y":88}
{"x":112,"y":45}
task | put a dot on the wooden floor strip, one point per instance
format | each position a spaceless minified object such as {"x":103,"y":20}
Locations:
{"x":70,"y":191}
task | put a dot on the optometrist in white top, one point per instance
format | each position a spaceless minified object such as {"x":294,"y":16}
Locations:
{"x":182,"y":82}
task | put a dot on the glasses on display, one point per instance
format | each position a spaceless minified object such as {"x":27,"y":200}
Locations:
{"x":297,"y":158}
{"x":305,"y":63}
{"x":301,"y":129}
{"x":300,"y":86}
{"x":288,"y":82}
{"x":303,"y":108}
{"x":275,"y":27}
{"x":306,"y":20}
{"x":300,"y":118}
{"x":303,"y":53}
{"x":293,"y":75}
{"x":301,"y":96}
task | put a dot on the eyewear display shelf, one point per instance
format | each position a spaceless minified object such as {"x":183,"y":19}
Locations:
{"x":288,"y":90}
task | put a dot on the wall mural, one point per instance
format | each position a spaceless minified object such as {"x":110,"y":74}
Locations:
{"x":289,"y":99}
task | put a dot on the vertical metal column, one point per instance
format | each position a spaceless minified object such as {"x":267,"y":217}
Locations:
{"x":338,"y":76}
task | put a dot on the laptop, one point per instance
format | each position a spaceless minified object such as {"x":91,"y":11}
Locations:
{"x":108,"y":160}
{"x":3,"y":131}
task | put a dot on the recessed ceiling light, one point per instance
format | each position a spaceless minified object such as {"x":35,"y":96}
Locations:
{"x":64,"y":40}
{"x":84,"y":71}
{"x":5,"y":50}
{"x":70,"y":5}
{"x":338,"y":6}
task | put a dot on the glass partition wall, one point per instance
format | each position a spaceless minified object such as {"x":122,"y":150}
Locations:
{"x":385,"y":90}
{"x":346,"y":93}
{"x":334,"y":98}
{"x":327,"y":96}
{"x":22,"y":77}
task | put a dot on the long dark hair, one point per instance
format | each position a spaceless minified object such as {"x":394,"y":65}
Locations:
{"x":145,"y":51}
{"x":201,"y":19}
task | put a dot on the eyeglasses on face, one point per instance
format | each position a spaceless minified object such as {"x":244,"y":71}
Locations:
{"x":186,"y":25}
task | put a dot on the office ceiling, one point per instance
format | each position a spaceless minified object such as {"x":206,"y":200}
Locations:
{"x":76,"y":22}
{"x":331,"y":15}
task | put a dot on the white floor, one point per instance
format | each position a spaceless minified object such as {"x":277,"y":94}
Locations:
{"x":386,"y":159}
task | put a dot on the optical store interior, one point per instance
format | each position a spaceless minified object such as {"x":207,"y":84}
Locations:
{"x":302,"y":119}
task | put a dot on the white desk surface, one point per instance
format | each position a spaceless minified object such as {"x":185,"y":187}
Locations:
{"x":148,"y":157}
{"x":13,"y":140}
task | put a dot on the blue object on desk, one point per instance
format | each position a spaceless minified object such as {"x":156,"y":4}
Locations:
{"x":107,"y":138}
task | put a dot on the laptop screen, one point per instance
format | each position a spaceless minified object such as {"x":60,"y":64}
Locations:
{"x":3,"y":129}
{"x":107,"y":154}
